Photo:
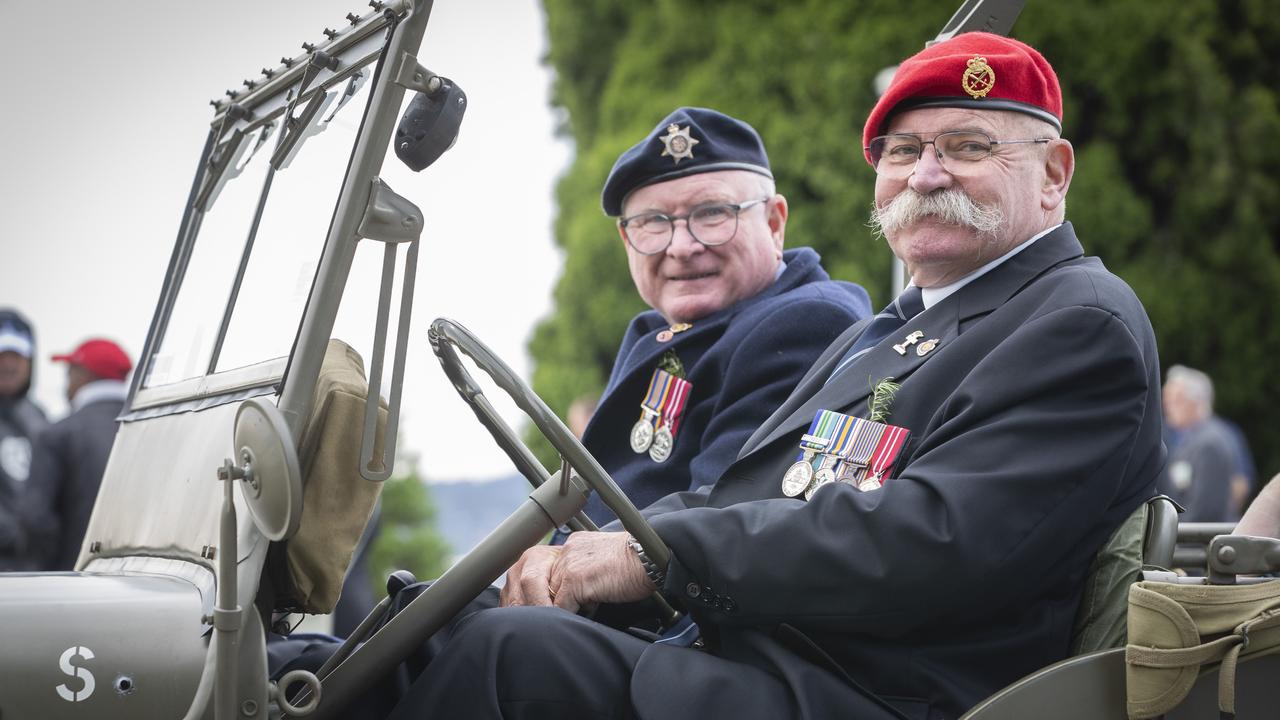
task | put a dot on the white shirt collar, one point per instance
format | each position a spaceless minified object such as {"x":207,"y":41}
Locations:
{"x":99,"y":390}
{"x":933,"y":296}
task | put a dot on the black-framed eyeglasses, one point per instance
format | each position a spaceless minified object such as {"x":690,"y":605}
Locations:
{"x":711,"y":225}
{"x":960,"y":151}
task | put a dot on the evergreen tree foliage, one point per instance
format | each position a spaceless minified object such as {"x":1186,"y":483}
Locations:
{"x":408,"y":539}
{"x":1172,"y":107}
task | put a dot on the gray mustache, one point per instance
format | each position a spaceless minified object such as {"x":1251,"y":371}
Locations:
{"x":952,"y":207}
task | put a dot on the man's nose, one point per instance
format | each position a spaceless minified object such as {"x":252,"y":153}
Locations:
{"x":683,"y":243}
{"x":929,"y":173}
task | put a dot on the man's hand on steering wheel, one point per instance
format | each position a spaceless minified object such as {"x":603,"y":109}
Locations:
{"x":590,"y":568}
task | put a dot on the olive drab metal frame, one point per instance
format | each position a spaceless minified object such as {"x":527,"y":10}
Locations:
{"x":215,"y":665}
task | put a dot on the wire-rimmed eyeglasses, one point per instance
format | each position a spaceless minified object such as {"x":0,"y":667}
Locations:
{"x":960,"y":151}
{"x":714,"y":224}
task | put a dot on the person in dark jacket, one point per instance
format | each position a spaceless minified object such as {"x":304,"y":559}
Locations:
{"x":71,"y":455}
{"x":736,"y":320}
{"x":21,"y":421}
{"x":911,"y":530}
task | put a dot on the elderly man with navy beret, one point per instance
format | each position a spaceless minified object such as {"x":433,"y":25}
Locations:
{"x":736,"y":320}
{"x":912,"y":528}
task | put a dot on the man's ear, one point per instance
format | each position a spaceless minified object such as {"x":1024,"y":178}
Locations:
{"x":777,"y":210}
{"x":1059,"y":167}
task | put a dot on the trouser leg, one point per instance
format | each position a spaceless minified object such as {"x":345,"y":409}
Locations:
{"x":527,"y":662}
{"x":378,"y":700}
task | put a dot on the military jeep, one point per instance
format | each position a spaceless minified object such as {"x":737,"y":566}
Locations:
{"x":252,"y":446}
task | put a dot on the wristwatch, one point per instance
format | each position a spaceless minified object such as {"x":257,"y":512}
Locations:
{"x":657,"y":575}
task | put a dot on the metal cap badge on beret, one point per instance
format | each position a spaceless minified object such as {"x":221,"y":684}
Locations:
{"x":688,"y":141}
{"x":974,"y":70}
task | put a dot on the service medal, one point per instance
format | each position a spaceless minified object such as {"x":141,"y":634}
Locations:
{"x":823,"y":477}
{"x":660,"y":450}
{"x":641,"y":435}
{"x":797,"y":478}
{"x":869,"y":483}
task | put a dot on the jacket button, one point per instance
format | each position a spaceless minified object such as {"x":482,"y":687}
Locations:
{"x":729,"y":604}
{"x":692,"y":590}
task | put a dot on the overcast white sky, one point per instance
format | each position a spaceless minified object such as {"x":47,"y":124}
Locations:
{"x":105,"y":112}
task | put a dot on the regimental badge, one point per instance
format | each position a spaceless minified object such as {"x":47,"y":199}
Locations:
{"x":927,"y":347}
{"x":979,"y":78}
{"x":660,"y":414}
{"x":677,"y":143}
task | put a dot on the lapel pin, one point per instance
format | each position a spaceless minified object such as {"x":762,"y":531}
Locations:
{"x":927,"y":347}
{"x":666,"y":335}
{"x":911,"y":339}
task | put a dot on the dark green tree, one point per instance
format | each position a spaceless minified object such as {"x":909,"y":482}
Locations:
{"x":1173,"y":109}
{"x":408,"y":539}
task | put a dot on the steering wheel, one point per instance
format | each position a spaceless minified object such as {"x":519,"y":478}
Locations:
{"x":547,"y":505}
{"x":445,"y":335}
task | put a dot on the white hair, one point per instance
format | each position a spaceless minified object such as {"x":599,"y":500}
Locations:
{"x":1196,"y":384}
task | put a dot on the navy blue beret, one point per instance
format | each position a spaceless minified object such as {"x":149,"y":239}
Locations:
{"x":688,"y":141}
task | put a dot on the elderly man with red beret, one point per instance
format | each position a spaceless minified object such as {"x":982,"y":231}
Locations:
{"x":69,"y":458}
{"x":911,"y":530}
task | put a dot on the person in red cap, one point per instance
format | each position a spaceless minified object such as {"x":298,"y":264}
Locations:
{"x":912,"y":529}
{"x":69,"y":458}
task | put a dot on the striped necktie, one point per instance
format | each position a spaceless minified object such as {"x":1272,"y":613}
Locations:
{"x":903,"y":308}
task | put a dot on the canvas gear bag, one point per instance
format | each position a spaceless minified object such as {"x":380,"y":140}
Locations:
{"x":336,"y":500}
{"x":1177,"y":630}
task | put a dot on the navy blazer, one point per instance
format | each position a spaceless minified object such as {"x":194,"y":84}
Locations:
{"x":1036,"y":430}
{"x":742,"y":361}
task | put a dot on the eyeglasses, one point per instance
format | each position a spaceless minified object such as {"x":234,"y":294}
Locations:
{"x":895,"y":156}
{"x":711,"y":225}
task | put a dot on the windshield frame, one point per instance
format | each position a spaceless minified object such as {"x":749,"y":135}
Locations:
{"x":363,"y":50}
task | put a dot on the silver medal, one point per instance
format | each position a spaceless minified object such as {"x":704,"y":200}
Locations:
{"x":797,"y":478}
{"x":641,"y":435}
{"x":822,"y":477}
{"x":660,"y":450}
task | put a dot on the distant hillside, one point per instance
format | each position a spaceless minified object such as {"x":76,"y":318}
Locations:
{"x":468,"y":511}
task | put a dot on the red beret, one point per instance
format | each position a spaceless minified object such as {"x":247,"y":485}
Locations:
{"x":974,"y":70}
{"x":100,"y":357}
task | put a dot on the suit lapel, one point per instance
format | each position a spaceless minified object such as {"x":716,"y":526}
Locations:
{"x":854,"y":384}
{"x":648,"y":350}
{"x":941,"y":322}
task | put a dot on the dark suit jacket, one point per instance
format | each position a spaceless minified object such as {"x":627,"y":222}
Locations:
{"x":1035,"y":430}
{"x":66,"y":469}
{"x":742,"y":362}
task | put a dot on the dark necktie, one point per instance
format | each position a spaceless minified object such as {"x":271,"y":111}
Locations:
{"x":903,"y":308}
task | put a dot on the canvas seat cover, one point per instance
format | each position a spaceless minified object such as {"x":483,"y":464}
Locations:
{"x":336,"y":501}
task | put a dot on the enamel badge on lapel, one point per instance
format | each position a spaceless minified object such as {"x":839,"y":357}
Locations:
{"x":666,"y":335}
{"x":677,"y":143}
{"x":927,"y":347}
{"x":911,"y":339}
{"x":978,"y":78}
